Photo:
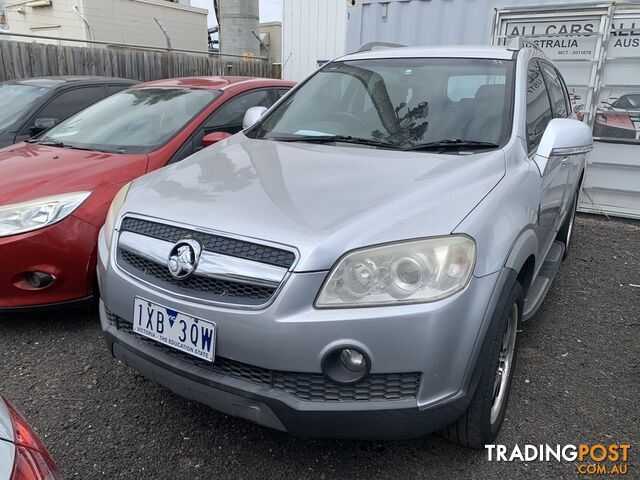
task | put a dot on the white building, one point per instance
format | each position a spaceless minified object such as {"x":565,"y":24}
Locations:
{"x":118,"y":21}
{"x":3,"y":18}
{"x":313,"y":32}
{"x":271,"y":41}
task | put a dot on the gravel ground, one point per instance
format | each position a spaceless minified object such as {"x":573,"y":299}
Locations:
{"x":577,"y":380}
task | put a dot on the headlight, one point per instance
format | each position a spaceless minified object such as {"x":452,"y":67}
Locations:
{"x":409,"y":272}
{"x":112,"y":215}
{"x":39,"y":213}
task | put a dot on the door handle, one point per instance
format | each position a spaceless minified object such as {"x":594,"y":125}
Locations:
{"x":564,"y":161}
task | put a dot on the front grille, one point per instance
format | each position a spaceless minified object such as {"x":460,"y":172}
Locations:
{"x":312,"y":387}
{"x":213,"y":243}
{"x":207,"y":288}
{"x":225,"y":289}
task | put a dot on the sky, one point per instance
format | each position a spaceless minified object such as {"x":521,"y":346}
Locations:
{"x":270,"y":10}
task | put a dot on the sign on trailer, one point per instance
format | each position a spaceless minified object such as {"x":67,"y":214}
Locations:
{"x":597,"y":49}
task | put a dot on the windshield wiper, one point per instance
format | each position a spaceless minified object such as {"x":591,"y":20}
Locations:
{"x":336,"y":138}
{"x":89,"y":149}
{"x":46,"y":143}
{"x":54,"y":143}
{"x":451,"y":144}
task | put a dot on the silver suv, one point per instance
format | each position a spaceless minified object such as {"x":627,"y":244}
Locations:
{"x":358,"y":261}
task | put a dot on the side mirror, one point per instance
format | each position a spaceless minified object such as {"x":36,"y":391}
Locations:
{"x":252,"y":115}
{"x":42,"y":124}
{"x":563,"y":136}
{"x":214,"y":137}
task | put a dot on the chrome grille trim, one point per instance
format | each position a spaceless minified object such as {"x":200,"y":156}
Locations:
{"x":195,"y":287}
{"x":218,"y":242}
{"x":229,"y":288}
{"x":211,"y":265}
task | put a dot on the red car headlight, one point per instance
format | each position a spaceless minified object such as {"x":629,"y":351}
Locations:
{"x":32,"y":460}
{"x":38,"y":213}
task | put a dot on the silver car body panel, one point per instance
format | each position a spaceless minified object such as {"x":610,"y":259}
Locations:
{"x":6,"y":428}
{"x":318,"y":198}
{"x":7,"y":457}
{"x":440,"y":51}
{"x":7,"y":448}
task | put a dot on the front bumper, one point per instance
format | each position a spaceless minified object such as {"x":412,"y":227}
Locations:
{"x":439,"y":341}
{"x":399,"y":419}
{"x":66,"y":250}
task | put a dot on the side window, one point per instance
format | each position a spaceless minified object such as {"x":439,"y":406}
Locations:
{"x":623,"y":102}
{"x":556,"y":92}
{"x":280,"y":92}
{"x":228,"y":117}
{"x":67,"y":104}
{"x":538,"y":106}
{"x":72,"y":101}
{"x":565,"y":91}
{"x":187,"y":148}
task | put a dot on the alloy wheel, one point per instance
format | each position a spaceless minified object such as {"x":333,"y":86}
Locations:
{"x":505,"y":364}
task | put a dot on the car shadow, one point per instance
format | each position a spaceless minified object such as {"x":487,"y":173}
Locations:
{"x":49,"y":319}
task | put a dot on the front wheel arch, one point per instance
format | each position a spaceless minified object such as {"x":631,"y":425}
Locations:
{"x":477,"y":427}
{"x":522,"y":257}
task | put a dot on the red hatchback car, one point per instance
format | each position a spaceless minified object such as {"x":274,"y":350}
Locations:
{"x":55,"y":190}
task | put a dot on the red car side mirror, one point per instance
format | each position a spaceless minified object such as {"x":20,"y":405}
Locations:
{"x":214,"y":137}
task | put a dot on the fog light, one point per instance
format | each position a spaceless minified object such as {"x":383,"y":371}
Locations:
{"x":39,"y":279}
{"x":353,"y":360}
{"x":346,"y":364}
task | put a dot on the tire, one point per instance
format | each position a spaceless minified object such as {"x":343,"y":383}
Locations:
{"x":566,"y":231}
{"x":481,"y":422}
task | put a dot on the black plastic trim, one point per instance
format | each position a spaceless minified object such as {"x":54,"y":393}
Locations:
{"x":49,"y":306}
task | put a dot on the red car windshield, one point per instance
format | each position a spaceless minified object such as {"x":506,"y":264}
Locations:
{"x":139,"y":120}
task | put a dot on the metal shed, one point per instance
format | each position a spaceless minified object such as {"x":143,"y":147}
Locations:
{"x":596,"y":46}
{"x":313,"y":32}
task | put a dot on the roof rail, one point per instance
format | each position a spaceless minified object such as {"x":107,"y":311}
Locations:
{"x":373,"y":45}
{"x":517,"y":43}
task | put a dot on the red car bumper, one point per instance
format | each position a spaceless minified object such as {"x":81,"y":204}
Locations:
{"x":66,"y":251}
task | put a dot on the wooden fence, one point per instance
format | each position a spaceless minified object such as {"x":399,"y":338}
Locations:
{"x":26,"y":59}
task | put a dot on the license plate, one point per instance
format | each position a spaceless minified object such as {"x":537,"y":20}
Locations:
{"x":183,"y":332}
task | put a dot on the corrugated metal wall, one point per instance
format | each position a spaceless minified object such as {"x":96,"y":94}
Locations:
{"x":430,"y":22}
{"x":420,"y":22}
{"x":312,"y":31}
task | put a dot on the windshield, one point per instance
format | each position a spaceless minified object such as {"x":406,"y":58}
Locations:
{"x":401,"y":101}
{"x":631,"y":101}
{"x":134,"y":121}
{"x":15,"y":98}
